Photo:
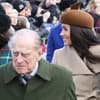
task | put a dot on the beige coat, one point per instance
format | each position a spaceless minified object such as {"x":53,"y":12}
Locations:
{"x":86,"y":81}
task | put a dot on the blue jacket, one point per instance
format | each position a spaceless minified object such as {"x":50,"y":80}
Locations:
{"x":54,"y":42}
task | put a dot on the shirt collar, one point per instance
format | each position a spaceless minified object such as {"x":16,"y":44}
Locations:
{"x":33,"y":73}
{"x":34,"y":70}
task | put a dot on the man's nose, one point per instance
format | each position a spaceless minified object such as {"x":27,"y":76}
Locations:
{"x":19,"y":58}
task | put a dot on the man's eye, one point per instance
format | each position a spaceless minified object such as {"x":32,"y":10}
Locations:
{"x":25,"y":55}
{"x":15,"y":53}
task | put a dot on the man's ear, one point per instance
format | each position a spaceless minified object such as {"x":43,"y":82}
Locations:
{"x":40,"y":52}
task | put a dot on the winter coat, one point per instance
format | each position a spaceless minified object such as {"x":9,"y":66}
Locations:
{"x":86,"y":76}
{"x":50,"y":83}
{"x":54,"y":42}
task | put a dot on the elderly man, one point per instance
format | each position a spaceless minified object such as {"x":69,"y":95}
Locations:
{"x":29,"y":77}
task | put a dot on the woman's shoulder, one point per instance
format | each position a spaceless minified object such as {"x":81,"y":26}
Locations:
{"x":60,"y":50}
{"x":95,"y":49}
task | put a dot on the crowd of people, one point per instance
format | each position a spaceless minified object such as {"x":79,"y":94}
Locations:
{"x":50,"y":49}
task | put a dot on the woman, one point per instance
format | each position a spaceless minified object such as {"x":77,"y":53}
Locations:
{"x":81,"y":52}
{"x":93,"y":8}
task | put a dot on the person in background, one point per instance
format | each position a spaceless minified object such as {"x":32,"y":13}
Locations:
{"x":51,"y":7}
{"x":81,"y":52}
{"x":11,"y":12}
{"x":93,"y":8}
{"x":29,"y":76}
{"x":22,"y":22}
{"x":24,"y":10}
{"x":5,"y":33}
{"x":54,"y":40}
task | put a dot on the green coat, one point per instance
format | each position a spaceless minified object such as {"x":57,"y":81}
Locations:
{"x":51,"y":83}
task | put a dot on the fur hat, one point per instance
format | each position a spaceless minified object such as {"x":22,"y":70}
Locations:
{"x":77,"y":17}
{"x":19,"y":5}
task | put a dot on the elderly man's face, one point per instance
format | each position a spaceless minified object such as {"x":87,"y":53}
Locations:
{"x":24,"y":56}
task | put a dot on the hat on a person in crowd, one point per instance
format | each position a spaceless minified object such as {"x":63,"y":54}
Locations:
{"x":19,"y":5}
{"x":75,"y":16}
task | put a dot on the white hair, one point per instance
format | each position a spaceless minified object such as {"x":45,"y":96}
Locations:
{"x":25,"y":34}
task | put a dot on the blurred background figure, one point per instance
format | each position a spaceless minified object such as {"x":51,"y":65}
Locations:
{"x":11,"y":12}
{"x":22,"y":22}
{"x":5,"y":33}
{"x":93,"y":8}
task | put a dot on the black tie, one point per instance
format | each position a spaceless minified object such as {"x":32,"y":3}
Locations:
{"x":24,"y":79}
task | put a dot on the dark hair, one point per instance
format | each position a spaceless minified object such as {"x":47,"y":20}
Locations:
{"x":82,"y":39}
{"x":2,"y":9}
{"x":5,"y":23}
{"x":65,"y":4}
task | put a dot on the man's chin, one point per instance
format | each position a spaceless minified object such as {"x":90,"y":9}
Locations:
{"x":21,"y":71}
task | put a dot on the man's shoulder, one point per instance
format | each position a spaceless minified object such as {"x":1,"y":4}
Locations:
{"x":57,"y":69}
{"x":60,"y":70}
{"x":3,"y":68}
{"x":59,"y":73}
{"x":2,"y":71}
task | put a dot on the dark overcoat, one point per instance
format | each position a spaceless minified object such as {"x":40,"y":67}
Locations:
{"x":50,"y":83}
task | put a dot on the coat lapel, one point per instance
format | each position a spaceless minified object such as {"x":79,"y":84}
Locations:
{"x":77,"y":65}
{"x":43,"y":75}
{"x":10,"y":73}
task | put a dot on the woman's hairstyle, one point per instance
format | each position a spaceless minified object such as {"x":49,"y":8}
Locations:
{"x":82,"y":39}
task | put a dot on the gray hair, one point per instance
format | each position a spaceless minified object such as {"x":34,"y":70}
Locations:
{"x":11,"y":31}
{"x":25,"y":34}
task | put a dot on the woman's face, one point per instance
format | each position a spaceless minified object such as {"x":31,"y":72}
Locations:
{"x":97,"y":2}
{"x":65,"y":33}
